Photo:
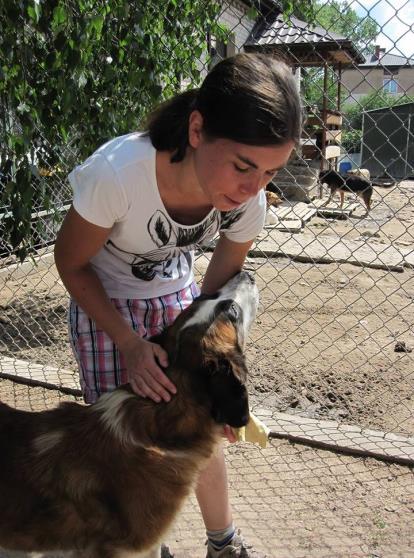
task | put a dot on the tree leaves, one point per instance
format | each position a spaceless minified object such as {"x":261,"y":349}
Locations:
{"x":75,"y":73}
{"x":338,"y":17}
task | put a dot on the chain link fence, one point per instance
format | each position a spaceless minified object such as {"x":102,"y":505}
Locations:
{"x":330,"y":355}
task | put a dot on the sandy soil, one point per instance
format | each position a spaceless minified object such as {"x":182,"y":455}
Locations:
{"x":323,"y":343}
{"x":292,"y":501}
{"x":323,"y":346}
{"x":324,"y":340}
{"x":391,"y":220}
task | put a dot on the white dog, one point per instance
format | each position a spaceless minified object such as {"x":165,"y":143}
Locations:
{"x":361,"y":172}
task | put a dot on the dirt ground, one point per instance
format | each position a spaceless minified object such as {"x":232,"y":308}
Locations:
{"x":390,"y":221}
{"x":293,"y":501}
{"x":324,"y":341}
{"x":323,"y":345}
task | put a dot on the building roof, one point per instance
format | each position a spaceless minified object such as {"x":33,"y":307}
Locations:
{"x":388,"y":60}
{"x":306,"y":44}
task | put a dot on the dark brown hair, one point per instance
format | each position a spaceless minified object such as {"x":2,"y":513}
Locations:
{"x":249,"y":98}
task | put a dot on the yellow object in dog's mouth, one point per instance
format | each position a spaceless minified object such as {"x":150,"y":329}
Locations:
{"x":255,"y":432}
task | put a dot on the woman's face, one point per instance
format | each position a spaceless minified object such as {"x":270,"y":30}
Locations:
{"x":230,"y":173}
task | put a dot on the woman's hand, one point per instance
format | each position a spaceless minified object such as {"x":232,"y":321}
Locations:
{"x":144,"y":373}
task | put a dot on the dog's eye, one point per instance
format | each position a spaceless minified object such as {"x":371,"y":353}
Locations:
{"x":229,"y":308}
{"x":233,"y":310}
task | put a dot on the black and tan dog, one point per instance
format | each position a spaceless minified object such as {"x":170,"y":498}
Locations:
{"x":107,"y":480}
{"x":358,"y":185}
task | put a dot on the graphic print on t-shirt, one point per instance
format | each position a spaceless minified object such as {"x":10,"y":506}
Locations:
{"x":173,"y":245}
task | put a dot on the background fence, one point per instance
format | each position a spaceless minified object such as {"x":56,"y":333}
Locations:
{"x":330,"y":359}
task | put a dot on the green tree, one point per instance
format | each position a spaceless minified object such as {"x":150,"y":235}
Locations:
{"x":74,"y":73}
{"x":337,"y":17}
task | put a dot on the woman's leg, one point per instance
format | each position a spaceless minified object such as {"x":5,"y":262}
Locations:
{"x":213,"y":498}
{"x":213,"y":494}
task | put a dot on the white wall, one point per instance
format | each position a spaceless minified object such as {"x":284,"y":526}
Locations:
{"x":234,"y":17}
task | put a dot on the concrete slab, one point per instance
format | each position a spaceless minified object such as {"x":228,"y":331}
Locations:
{"x":409,"y":258}
{"x":44,"y":259}
{"x":293,"y":212}
{"x":307,"y":247}
{"x":321,"y":433}
{"x":32,"y":373}
{"x":334,"y":209}
{"x":339,"y":437}
{"x":293,"y":226}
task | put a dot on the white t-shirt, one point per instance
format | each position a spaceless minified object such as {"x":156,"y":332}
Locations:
{"x":147,"y":253}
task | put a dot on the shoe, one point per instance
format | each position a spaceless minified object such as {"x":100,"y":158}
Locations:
{"x":165,"y":552}
{"x":237,"y":548}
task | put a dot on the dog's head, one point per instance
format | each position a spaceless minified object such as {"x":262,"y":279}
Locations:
{"x":207,"y":340}
{"x":272,"y":199}
{"x":324,"y":174}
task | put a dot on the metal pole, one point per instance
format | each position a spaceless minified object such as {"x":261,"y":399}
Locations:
{"x":407,"y":145}
{"x":338,"y":98}
{"x":324,"y":118}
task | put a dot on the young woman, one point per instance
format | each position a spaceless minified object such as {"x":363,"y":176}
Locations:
{"x":142,"y":203}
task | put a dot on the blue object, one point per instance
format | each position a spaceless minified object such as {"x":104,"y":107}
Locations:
{"x":344,"y":167}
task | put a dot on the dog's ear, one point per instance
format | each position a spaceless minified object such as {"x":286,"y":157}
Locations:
{"x":229,"y":399}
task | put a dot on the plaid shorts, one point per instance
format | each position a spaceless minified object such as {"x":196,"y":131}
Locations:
{"x":101,"y":365}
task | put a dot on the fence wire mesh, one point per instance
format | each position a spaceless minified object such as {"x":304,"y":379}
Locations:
{"x":330,"y":354}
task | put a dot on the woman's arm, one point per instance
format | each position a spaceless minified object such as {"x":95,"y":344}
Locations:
{"x":77,"y":242}
{"x":228,"y":258}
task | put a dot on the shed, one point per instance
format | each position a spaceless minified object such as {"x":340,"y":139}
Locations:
{"x":305,"y":46}
{"x":388,"y":141}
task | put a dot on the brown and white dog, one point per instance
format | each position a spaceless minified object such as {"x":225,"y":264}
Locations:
{"x":107,"y":480}
{"x":272,"y":199}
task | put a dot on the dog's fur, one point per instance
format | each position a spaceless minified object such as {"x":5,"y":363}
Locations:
{"x":360,"y":172}
{"x":107,"y":480}
{"x":350,"y":183}
{"x":272,"y":199}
